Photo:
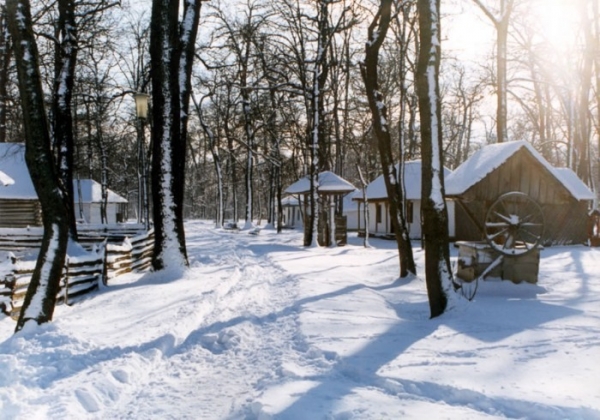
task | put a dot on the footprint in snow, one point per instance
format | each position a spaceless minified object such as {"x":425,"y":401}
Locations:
{"x":87,"y":400}
{"x":121,"y":376}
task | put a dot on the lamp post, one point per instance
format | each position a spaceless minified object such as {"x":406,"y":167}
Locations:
{"x":141,"y":111}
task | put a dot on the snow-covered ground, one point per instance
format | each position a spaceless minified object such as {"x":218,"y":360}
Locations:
{"x":260,"y":327}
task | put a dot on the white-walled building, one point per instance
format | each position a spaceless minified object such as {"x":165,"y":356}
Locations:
{"x":91,"y":202}
{"x":19,"y":204}
{"x":379,"y":213}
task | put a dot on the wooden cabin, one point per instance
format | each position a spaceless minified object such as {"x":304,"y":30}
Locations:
{"x":516,"y":166}
{"x":19,"y":204}
{"x":379,"y":212}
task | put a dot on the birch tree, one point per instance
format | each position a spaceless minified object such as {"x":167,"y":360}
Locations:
{"x":376,"y":35}
{"x":438,"y":275}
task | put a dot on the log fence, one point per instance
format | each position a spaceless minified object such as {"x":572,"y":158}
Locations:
{"x":107,"y":257}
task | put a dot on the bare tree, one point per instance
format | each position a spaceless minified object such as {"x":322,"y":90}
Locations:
{"x":438,"y":275}
{"x":172,"y":49}
{"x":41,"y":294}
{"x":500,"y":19}
{"x":5,"y":60}
{"x":393,"y":181}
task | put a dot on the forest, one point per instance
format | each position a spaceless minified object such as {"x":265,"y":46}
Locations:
{"x":248,"y":97}
{"x":250,"y":115}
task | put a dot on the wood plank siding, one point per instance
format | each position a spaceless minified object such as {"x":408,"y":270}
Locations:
{"x":20,"y":213}
{"x":565,"y":217}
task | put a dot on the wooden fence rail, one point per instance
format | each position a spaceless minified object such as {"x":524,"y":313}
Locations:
{"x":82,"y":273}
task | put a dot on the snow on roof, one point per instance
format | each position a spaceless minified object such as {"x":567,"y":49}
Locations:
{"x":5,"y":179}
{"x":492,"y":156}
{"x":289,"y":201}
{"x":348,"y":199}
{"x":328,"y":183}
{"x":12,"y":163}
{"x":577,"y":187}
{"x":91,"y":192}
{"x":412,"y":183}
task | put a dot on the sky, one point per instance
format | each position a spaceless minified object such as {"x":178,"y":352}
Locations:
{"x":470,"y":33}
{"x":260,"y":327}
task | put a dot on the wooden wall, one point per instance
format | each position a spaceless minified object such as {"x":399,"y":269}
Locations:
{"x":565,"y":217}
{"x":20,"y":213}
{"x":521,"y":172}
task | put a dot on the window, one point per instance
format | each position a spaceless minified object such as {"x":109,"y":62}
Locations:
{"x":378,"y":213}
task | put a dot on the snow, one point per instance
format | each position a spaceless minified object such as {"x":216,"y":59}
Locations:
{"x":490,"y":157}
{"x":574,"y":184}
{"x":260,"y":327}
{"x":91,"y":192}
{"x":412,"y":182}
{"x":5,"y":179}
{"x":328,"y":183}
{"x":12,"y":163}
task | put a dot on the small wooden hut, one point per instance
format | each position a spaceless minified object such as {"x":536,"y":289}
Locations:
{"x":19,"y":204}
{"x":329,"y":185}
{"x":516,"y":166}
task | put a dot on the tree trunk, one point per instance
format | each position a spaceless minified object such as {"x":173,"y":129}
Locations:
{"x":169,"y":247}
{"x":501,"y":23}
{"x":41,"y":294}
{"x":438,"y":275}
{"x":64,"y":79}
{"x":214,"y":150}
{"x":172,"y":49}
{"x":502,"y":88}
{"x":363,"y":183}
{"x":377,"y":32}
{"x":5,"y":58}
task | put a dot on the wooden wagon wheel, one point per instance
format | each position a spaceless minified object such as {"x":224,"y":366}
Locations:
{"x":514,"y":224}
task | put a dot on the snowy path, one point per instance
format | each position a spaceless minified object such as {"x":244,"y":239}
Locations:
{"x":260,"y":327}
{"x":230,"y":320}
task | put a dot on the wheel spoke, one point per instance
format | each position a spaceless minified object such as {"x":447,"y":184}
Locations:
{"x":503,"y":217}
{"x":497,"y":224}
{"x":495,"y":235}
{"x":514,"y":224}
{"x":532,"y":235}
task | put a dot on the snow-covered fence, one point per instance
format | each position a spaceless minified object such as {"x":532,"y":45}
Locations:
{"x":128,"y":246}
{"x":132,"y":254}
{"x":81,"y":275}
{"x":142,"y":251}
{"x":109,"y":257}
{"x":23,"y":239}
